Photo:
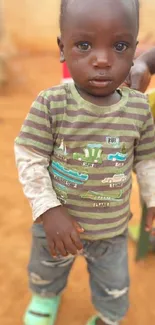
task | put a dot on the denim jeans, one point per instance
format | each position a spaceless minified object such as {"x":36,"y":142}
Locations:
{"x":107,"y":262}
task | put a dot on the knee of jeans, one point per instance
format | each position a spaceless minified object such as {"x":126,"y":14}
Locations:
{"x":119,"y":282}
{"x":46,"y":287}
{"x":36,"y":279}
{"x":111,"y":285}
{"x":45,"y":273}
{"x":118,"y":274}
{"x":117,"y":293}
{"x":108,"y":292}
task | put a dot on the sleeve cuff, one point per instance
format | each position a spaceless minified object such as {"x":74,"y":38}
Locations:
{"x":42,"y":208}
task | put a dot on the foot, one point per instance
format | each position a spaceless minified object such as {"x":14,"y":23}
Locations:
{"x":42,"y":311}
{"x":96,"y":320}
{"x":100,"y":322}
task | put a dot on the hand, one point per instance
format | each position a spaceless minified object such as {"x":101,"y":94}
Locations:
{"x":62,"y":232}
{"x":150,"y":218}
{"x":139,"y":76}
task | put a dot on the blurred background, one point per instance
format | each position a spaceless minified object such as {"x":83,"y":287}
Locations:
{"x":29,"y":62}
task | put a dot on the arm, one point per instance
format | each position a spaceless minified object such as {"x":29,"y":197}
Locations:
{"x":33,"y":151}
{"x":35,"y":179}
{"x":148,"y":58}
{"x":145,"y":175}
{"x":140,"y":74}
{"x":145,"y":168}
{"x":145,"y":171}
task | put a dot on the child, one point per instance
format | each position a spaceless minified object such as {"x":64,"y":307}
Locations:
{"x":135,"y":230}
{"x":139,"y":79}
{"x":75,"y":155}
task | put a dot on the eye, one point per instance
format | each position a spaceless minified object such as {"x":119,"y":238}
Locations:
{"x":84,"y":46}
{"x":121,"y":47}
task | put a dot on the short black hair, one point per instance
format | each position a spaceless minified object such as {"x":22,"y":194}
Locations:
{"x":137,"y":3}
{"x":64,"y":4}
{"x":63,"y":7}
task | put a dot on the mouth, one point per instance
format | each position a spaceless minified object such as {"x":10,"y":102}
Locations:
{"x":100,"y":82}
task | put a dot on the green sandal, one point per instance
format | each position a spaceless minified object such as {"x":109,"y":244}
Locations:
{"x":92,"y":321}
{"x":42,"y":311}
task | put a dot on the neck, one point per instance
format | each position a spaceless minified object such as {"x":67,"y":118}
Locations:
{"x":108,"y":100}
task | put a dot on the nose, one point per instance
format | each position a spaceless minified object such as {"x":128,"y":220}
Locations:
{"x":102,"y":59}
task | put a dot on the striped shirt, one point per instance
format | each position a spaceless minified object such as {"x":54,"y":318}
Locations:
{"x":92,"y":151}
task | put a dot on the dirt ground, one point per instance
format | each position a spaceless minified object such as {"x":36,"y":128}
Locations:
{"x":28,"y":76}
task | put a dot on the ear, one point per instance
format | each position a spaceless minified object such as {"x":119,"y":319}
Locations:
{"x":61,"y":48}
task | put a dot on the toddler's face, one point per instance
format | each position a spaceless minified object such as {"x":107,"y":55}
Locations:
{"x":98,"y":43}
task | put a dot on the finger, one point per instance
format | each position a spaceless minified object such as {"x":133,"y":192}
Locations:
{"x":60,"y":247}
{"x":78,"y":227}
{"x":70,"y":246}
{"x":149,"y":221}
{"x":52,"y":249}
{"x":75,"y":238}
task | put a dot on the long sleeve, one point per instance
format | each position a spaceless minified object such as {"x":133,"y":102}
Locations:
{"x":145,"y":146}
{"x":35,"y":179}
{"x":144,"y":161}
{"x":33,"y":150}
{"x":145,"y":171}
